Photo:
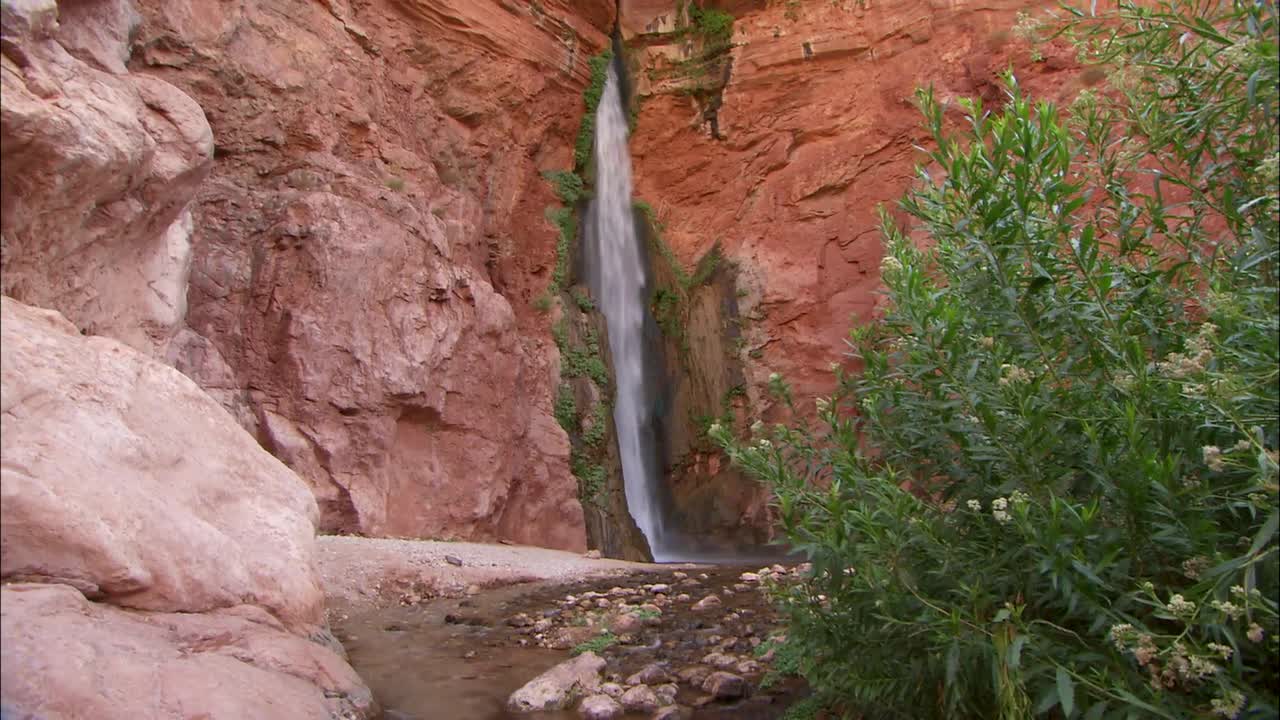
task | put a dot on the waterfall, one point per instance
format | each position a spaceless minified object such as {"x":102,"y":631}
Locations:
{"x":617,"y":279}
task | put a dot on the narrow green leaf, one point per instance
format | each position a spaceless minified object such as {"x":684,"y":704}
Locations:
{"x":1066,"y":691}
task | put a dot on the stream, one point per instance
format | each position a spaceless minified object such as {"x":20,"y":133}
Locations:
{"x":462,"y":658}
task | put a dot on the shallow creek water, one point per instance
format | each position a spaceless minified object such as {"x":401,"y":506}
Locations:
{"x":459,"y":658}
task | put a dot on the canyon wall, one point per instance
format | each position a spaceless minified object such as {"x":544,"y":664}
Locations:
{"x":353,"y":277}
{"x":777,"y":150}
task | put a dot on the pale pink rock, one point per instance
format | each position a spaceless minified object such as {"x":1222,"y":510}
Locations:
{"x":120,"y":476}
{"x":65,"y":657}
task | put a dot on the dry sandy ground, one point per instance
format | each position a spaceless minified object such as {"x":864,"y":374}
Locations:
{"x":362,"y":572}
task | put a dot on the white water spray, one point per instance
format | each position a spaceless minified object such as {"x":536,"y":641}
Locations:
{"x":620,"y":287}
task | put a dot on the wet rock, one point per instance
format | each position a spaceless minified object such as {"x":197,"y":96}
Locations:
{"x":600,"y":707}
{"x":694,"y":675}
{"x":749,"y":577}
{"x":640,"y":698}
{"x":666,"y":693}
{"x":720,"y":660}
{"x":626,"y":623}
{"x":679,"y":575}
{"x":519,"y":621}
{"x":612,"y":689}
{"x":747,"y":667}
{"x":671,"y":712}
{"x":593,"y":554}
{"x":571,"y":636}
{"x":709,"y":602}
{"x":724,"y":686}
{"x":651,"y":674}
{"x":683,"y":597}
{"x":453,"y":560}
{"x":555,"y":688}
{"x":660,"y":589}
{"x":542,"y":625}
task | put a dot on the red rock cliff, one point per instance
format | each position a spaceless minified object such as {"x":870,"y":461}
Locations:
{"x":810,"y":126}
{"x":369,"y":240}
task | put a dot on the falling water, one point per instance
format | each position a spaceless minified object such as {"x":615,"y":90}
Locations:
{"x":618,"y":281}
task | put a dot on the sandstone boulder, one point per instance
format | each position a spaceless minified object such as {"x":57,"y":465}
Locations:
{"x":557,"y":687}
{"x":122,"y":478}
{"x":66,"y":657}
{"x":640,"y":698}
{"x":97,"y":169}
{"x":599,"y":707}
{"x":725,"y":686}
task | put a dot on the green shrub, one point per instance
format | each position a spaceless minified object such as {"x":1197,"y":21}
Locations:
{"x":595,"y":644}
{"x":566,"y":223}
{"x":583,"y":300}
{"x":599,"y":67}
{"x":567,"y":184}
{"x":715,"y":27}
{"x":1052,"y":491}
{"x":566,"y":409}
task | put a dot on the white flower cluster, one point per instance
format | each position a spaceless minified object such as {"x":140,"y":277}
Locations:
{"x":999,"y":508}
{"x":1229,"y":609}
{"x":1213,"y":458}
{"x":987,"y":342}
{"x":1012,"y":374}
{"x":1193,"y":567}
{"x":974,"y":505}
{"x":890,"y":265}
{"x":1181,"y":607}
{"x":1228,"y":706}
{"x":1180,"y":365}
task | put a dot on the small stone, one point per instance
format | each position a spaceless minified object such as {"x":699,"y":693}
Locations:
{"x":747,"y":667}
{"x":519,"y":621}
{"x":593,"y":554}
{"x":709,"y":602}
{"x":660,"y":589}
{"x":650,"y":674}
{"x":725,"y":686}
{"x":679,"y":575}
{"x":671,"y":712}
{"x":694,"y":675}
{"x":683,"y":597}
{"x":469,"y":654}
{"x":602,"y":603}
{"x":741,"y":587}
{"x":640,"y":698}
{"x":612,"y":689}
{"x":720,"y":660}
{"x":623,"y":624}
{"x":599,"y":707}
{"x":542,"y":625}
{"x":749,"y":577}
{"x":473,"y":589}
{"x":453,"y":560}
{"x":666,"y":693}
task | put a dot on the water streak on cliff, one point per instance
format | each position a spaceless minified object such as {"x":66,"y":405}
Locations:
{"x":617,"y":279}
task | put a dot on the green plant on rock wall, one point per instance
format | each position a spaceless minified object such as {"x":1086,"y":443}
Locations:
{"x":599,"y":67}
{"x":566,"y":409}
{"x":1053,"y":490}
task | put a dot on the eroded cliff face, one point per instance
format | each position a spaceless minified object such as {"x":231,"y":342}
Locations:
{"x":368,"y":243}
{"x":779,"y":149}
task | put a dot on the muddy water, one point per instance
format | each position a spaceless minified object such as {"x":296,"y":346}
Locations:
{"x":450,"y":659}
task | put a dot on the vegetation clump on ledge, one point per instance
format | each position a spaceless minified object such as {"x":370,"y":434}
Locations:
{"x":1052,"y":492}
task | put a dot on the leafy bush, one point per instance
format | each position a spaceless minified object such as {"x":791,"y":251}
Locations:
{"x":568,"y":185}
{"x":1052,"y":490}
{"x":566,"y":408}
{"x":599,"y":67}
